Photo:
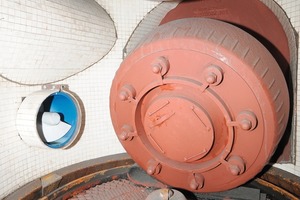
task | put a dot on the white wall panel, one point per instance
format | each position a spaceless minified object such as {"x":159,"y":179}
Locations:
{"x":149,"y":22}
{"x":292,"y":9}
{"x":49,"y":40}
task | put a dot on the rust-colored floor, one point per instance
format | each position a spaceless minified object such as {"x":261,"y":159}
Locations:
{"x":114,"y":190}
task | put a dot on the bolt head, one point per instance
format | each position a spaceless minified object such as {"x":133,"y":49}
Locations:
{"x":236,"y":165}
{"x":150,"y":171}
{"x":194,"y":185}
{"x":123,"y":95}
{"x":123,"y":136}
{"x":246,"y":124}
{"x":211,"y":78}
{"x":235,"y":170}
{"x":161,"y":66}
{"x":213,"y":75}
{"x":196,"y":181}
{"x":156,"y":69}
{"x":247,"y":120}
{"x":154,"y":167}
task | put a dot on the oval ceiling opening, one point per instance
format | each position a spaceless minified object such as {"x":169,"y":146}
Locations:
{"x":47,"y":41}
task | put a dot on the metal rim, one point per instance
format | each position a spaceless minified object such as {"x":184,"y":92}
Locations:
{"x":76,"y":178}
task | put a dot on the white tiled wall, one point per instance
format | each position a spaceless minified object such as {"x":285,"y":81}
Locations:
{"x":20,"y":163}
{"x":40,"y":38}
{"x":292,"y":9}
{"x":149,"y":22}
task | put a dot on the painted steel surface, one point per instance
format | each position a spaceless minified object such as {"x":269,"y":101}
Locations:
{"x":200,"y":104}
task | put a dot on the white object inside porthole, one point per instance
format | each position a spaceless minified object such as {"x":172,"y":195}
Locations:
{"x":50,"y":118}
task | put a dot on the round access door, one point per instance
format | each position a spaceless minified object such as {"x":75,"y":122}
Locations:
{"x":50,"y":118}
{"x":200,"y":105}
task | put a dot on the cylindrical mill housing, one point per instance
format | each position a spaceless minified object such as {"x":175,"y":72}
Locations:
{"x":200,"y":104}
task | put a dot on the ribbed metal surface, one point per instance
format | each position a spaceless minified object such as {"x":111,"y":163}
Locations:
{"x":114,"y":190}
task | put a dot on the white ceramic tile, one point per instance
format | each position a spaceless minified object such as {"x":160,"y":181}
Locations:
{"x":292,"y":9}
{"x":68,"y":35}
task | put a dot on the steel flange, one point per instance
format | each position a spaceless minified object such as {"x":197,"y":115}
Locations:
{"x":206,"y":100}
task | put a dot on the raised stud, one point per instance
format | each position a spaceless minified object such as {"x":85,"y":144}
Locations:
{"x":127,"y":133}
{"x":196,"y":181}
{"x":123,"y":95}
{"x":153,"y":167}
{"x":127,"y":92}
{"x":236,"y":165}
{"x":246,"y":124}
{"x":213,"y":75}
{"x":156,"y":69}
{"x":211,"y":78}
{"x":124,"y":136}
{"x":247,"y":120}
{"x":235,"y":170}
{"x":161,"y":66}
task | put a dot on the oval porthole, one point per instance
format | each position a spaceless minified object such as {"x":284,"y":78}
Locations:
{"x":50,"y":118}
{"x":58,"y":119}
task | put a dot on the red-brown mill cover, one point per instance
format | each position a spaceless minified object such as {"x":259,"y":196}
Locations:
{"x":200,"y":104}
